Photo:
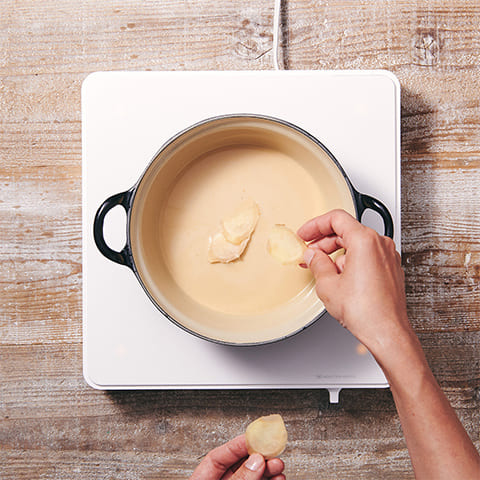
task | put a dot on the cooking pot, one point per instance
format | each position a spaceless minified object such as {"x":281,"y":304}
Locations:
{"x":181,"y":197}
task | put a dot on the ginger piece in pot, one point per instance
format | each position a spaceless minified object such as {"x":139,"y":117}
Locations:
{"x":228,"y":244}
{"x":220,"y":250}
{"x":242,"y":223}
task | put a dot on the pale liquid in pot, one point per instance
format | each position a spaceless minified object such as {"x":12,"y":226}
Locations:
{"x":208,"y":190}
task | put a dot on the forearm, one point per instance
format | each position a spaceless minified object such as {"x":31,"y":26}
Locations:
{"x":438,"y":445}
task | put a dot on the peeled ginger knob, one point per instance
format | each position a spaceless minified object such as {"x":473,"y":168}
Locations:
{"x":267,"y":436}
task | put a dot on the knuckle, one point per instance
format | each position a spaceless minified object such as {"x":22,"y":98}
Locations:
{"x":369,"y":236}
{"x":339,"y":213}
{"x":389,"y":244}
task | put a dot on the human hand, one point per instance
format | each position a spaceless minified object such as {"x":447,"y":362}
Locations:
{"x":363,"y":289}
{"x":229,"y":462}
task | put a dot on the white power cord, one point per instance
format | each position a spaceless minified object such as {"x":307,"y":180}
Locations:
{"x":276,"y":32}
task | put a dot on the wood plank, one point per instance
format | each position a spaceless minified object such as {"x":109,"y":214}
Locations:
{"x":333,"y":462}
{"x":334,"y":35}
{"x":440,"y":250}
{"x":367,"y":34}
{"x":155,"y":35}
{"x":50,"y":139}
{"x":322,"y":442}
{"x":162,"y":423}
{"x":449,"y":353}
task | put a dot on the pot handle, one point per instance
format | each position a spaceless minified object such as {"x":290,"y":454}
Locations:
{"x":365,"y":202}
{"x":124,"y":256}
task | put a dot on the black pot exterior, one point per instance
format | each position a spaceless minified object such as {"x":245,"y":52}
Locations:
{"x":126,"y":199}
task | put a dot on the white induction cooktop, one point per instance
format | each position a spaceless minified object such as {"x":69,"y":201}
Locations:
{"x":126,"y":117}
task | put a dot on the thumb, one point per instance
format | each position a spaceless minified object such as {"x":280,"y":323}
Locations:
{"x":325,"y":273}
{"x":320,"y":264}
{"x":252,"y":468}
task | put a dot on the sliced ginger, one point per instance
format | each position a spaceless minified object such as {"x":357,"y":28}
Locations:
{"x":229,"y":243}
{"x":285,"y":245}
{"x":242,"y":223}
{"x":220,"y":250}
{"x":267,"y":436}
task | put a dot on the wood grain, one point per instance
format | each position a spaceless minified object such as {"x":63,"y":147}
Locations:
{"x":51,"y":424}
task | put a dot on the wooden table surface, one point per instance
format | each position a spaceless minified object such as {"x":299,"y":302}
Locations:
{"x":52,"y":425}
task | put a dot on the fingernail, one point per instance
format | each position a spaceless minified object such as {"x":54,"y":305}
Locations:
{"x":308,"y":254}
{"x":254,"y":462}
